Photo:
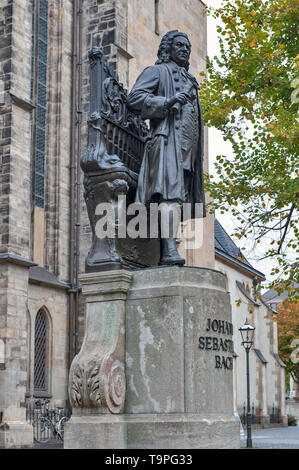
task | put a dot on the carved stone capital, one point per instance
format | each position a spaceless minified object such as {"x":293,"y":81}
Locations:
{"x":106,"y":286}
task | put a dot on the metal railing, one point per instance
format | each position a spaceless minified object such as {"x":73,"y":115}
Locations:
{"x":275,"y":415}
{"x":37,"y":409}
{"x":255,"y":415}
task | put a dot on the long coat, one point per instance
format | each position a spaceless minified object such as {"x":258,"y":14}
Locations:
{"x":162,"y":169}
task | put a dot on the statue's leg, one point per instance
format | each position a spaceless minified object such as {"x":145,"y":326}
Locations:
{"x":187,"y":185}
{"x":169,"y":219}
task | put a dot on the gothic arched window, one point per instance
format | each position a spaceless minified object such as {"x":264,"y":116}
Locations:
{"x":41,"y":352}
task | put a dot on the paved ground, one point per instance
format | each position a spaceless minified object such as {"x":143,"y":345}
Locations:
{"x":272,"y":438}
{"x":275,"y":438}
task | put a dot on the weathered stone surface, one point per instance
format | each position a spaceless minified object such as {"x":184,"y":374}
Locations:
{"x":155,"y":355}
{"x":166,"y":312}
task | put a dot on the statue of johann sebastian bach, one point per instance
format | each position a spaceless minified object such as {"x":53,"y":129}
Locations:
{"x":172,"y":166}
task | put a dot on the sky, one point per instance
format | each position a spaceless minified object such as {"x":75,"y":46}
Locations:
{"x":218,"y":146}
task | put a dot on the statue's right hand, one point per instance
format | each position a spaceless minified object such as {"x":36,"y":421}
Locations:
{"x":178,"y":98}
{"x":171,"y":101}
{"x":181,"y":97}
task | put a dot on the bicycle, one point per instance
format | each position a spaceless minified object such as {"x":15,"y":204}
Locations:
{"x":49,"y":424}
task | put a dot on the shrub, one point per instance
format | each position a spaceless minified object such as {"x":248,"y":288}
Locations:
{"x":292,"y":420}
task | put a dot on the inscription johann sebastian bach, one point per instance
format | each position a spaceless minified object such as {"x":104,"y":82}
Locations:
{"x":212,"y":343}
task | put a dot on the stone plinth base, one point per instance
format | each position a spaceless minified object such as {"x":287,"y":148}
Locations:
{"x":169,"y":329}
{"x":18,"y":435}
{"x":154,"y":431}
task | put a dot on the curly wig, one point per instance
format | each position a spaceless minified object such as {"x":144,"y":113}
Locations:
{"x":165,"y":46}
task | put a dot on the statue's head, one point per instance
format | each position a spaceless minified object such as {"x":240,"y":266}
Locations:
{"x":175,"y":46}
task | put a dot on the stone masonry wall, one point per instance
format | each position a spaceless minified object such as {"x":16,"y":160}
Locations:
{"x":16,"y":205}
{"x":13,"y":331}
{"x":3,"y":306}
{"x":143,"y":41}
{"x":15,"y":118}
{"x":15,"y":198}
{"x":5,"y":117}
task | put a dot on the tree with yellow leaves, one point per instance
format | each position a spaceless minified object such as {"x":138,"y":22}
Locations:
{"x":249,"y":96}
{"x":288,"y":331}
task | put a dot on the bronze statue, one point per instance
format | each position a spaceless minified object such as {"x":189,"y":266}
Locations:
{"x":172,"y":165}
{"x":163,"y":164}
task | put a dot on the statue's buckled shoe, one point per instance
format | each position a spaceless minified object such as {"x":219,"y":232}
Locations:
{"x":172,"y":260}
{"x":170,"y":255}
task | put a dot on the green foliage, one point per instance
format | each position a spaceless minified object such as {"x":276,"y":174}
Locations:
{"x":251,"y":96}
{"x":292,"y":420}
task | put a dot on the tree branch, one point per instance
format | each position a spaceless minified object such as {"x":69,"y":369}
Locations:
{"x":286,"y":227}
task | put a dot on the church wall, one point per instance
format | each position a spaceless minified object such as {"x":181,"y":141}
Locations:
{"x":15,"y":209}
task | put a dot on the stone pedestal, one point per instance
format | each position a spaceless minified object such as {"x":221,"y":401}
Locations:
{"x":178,"y":367}
{"x":97,"y":377}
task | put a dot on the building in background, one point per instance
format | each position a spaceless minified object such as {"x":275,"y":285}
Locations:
{"x":44,"y":229}
{"x":267,"y":375}
{"x":278,"y":302}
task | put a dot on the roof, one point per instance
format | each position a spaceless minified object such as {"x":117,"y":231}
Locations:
{"x":39,"y":275}
{"x":245,"y":293}
{"x":10,"y":258}
{"x":273,"y":297}
{"x":260,"y":355}
{"x":225,"y":247}
{"x":278,"y":359}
